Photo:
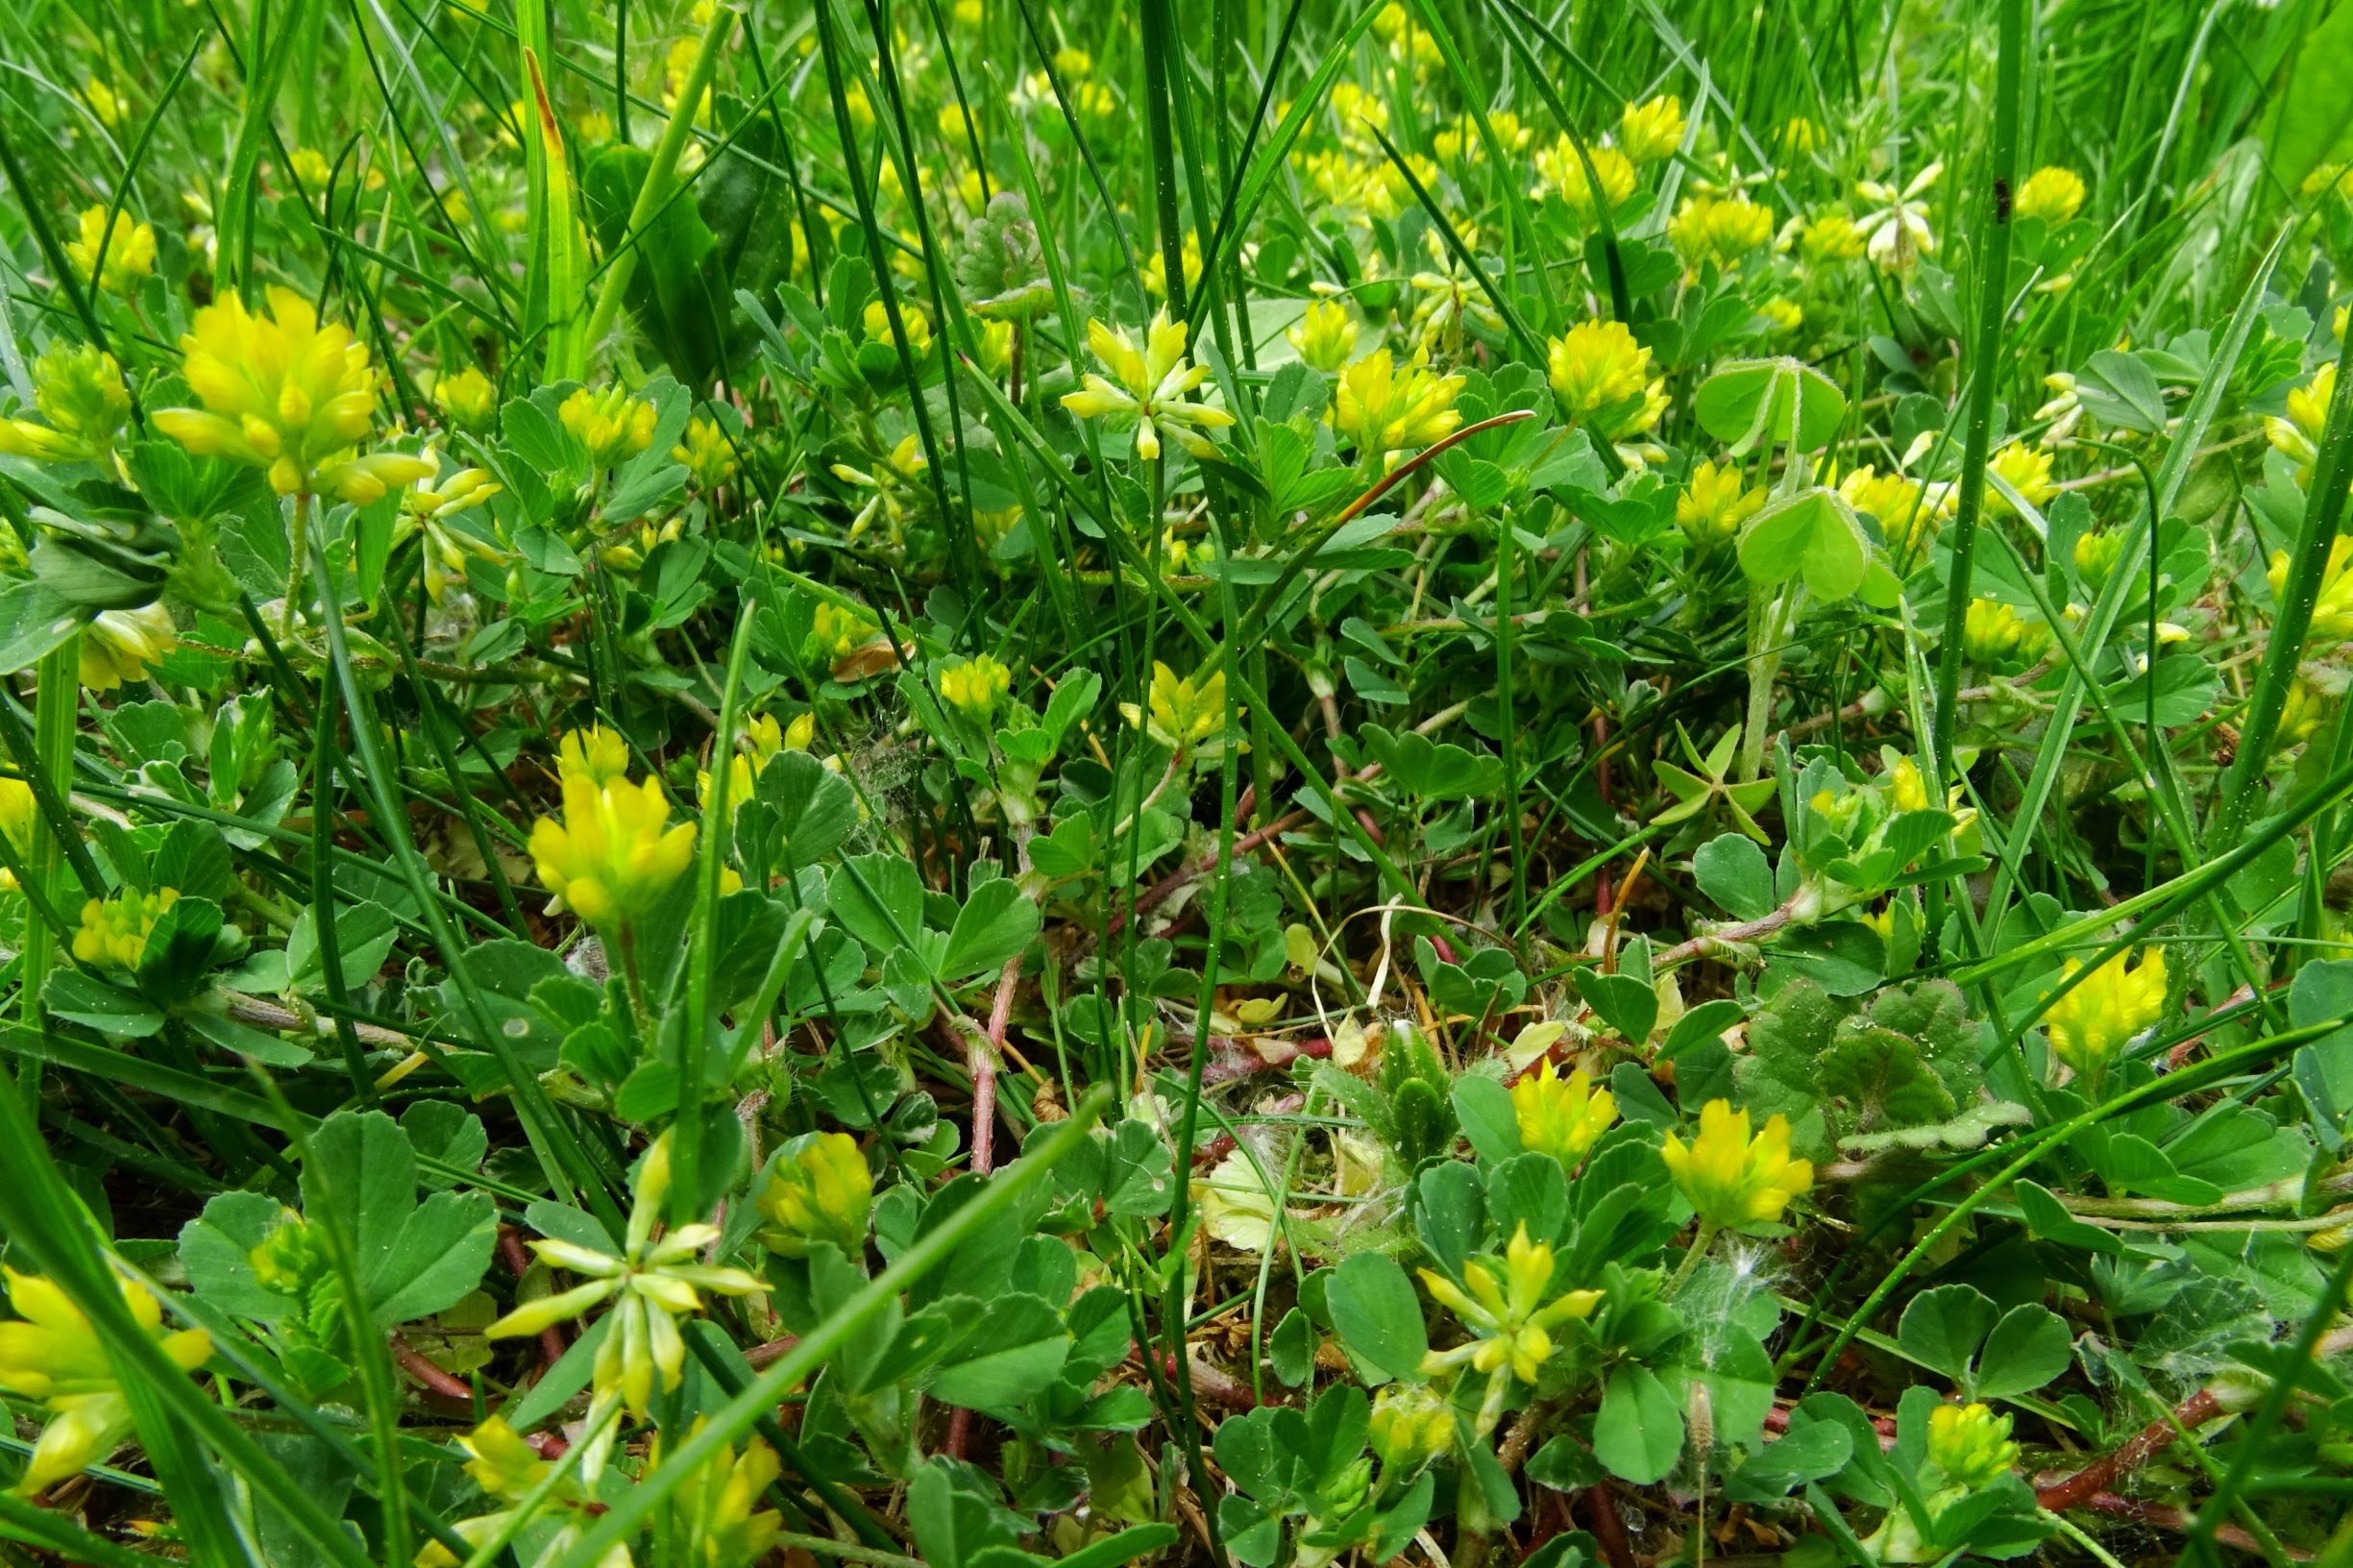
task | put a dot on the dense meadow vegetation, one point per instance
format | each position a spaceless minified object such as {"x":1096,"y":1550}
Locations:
{"x":1269,"y":782}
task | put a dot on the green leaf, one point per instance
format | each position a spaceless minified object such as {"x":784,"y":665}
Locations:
{"x":879,"y":899}
{"x":1749,"y":400}
{"x":80,"y":998}
{"x":993,"y":928}
{"x":1625,"y":1003}
{"x":1378,"y":1315}
{"x":1813,"y":534}
{"x":415,"y":1258}
{"x":1943,"y":1328}
{"x":1484,"y":1107}
{"x":1023,"y":1348}
{"x":1732,"y":871}
{"x":2028,"y":1348}
{"x":1639,"y":1434}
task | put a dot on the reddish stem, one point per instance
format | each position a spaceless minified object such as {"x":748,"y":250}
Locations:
{"x":2135,"y":1451}
{"x":518,"y":1262}
{"x":415,"y":1363}
{"x":1608,"y":1529}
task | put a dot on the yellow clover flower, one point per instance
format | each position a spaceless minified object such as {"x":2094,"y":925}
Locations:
{"x":892,"y":482}
{"x":1994,"y":637}
{"x":1509,"y":1320}
{"x":613,"y":852}
{"x":1180,"y":711}
{"x":105,"y":102}
{"x":717,"y":1506}
{"x":2332,"y":614}
{"x":1152,"y":385}
{"x":2053,"y":194}
{"x":128,"y":247}
{"x":877,"y":321}
{"x":1411,"y":1426}
{"x":1326,"y":335}
{"x":1828,"y":237}
{"x":1904,"y":507}
{"x":1970,"y":1444}
{"x":284,"y":392}
{"x":115,"y":931}
{"x":1561,"y":170}
{"x":1603,"y":378}
{"x":1652,"y":130}
{"x":2299,"y":433}
{"x":820,"y":1190}
{"x":2100,"y":1017}
{"x":19,"y":815}
{"x":120,"y":646}
{"x":706,"y":451}
{"x":2025,"y":470}
{"x":1733,"y":1180}
{"x":467,"y":400}
{"x":1799,"y":137}
{"x":1723,"y":229}
{"x":1383,"y":409}
{"x":54,"y":1357}
{"x":650,"y":1280}
{"x":974,"y":687}
{"x":763,"y":740}
{"x":1561,"y":1116}
{"x":1714,"y":504}
{"x":596,"y":755}
{"x":78,"y":391}
{"x":612,"y":425}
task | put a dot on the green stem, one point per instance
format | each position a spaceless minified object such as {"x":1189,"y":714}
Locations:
{"x":657,"y":189}
{"x":1700,"y":1244}
{"x":57,"y":696}
{"x":1992,"y":302}
{"x":1764,"y":668}
{"x":299,"y":538}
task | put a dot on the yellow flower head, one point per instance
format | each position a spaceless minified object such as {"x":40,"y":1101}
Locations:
{"x":1994,"y":637}
{"x":2096,"y":552}
{"x":1411,"y":1426}
{"x":1602,"y":377}
{"x":707,"y":452}
{"x":1180,"y":711}
{"x":2052,"y":193}
{"x":1970,"y":1443}
{"x":2025,"y":470}
{"x":596,"y":755}
{"x":105,"y":102}
{"x":1714,"y":504}
{"x":612,"y":425}
{"x":613,"y":852}
{"x":837,"y":632}
{"x":1829,"y":236}
{"x":976,"y":686}
{"x":717,"y":1506}
{"x":2332,"y":615}
{"x":1510,"y":1319}
{"x":1461,"y":142}
{"x":1384,"y":409}
{"x":918,"y":326}
{"x":281,"y":391}
{"x":2100,"y":1017}
{"x":1652,"y":130}
{"x":467,"y":400}
{"x":309,"y":168}
{"x":129,"y":248}
{"x":1719,"y":228}
{"x":1155,"y":268}
{"x":1326,"y":335}
{"x":652,"y":1278}
{"x":1561,"y":170}
{"x":115,"y":931}
{"x":1153,"y":384}
{"x":1902,"y":507}
{"x":820,"y":1190}
{"x":1801,"y":136}
{"x":121,"y":645}
{"x":763,"y":738}
{"x":51,"y":1354}
{"x":1906,"y":785}
{"x":500,"y":1463}
{"x":1561,"y":1116}
{"x":2298,"y":435}
{"x":1733,"y":1180}
{"x":2299,"y":716}
{"x":19,"y":814}
{"x":80,"y":393}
